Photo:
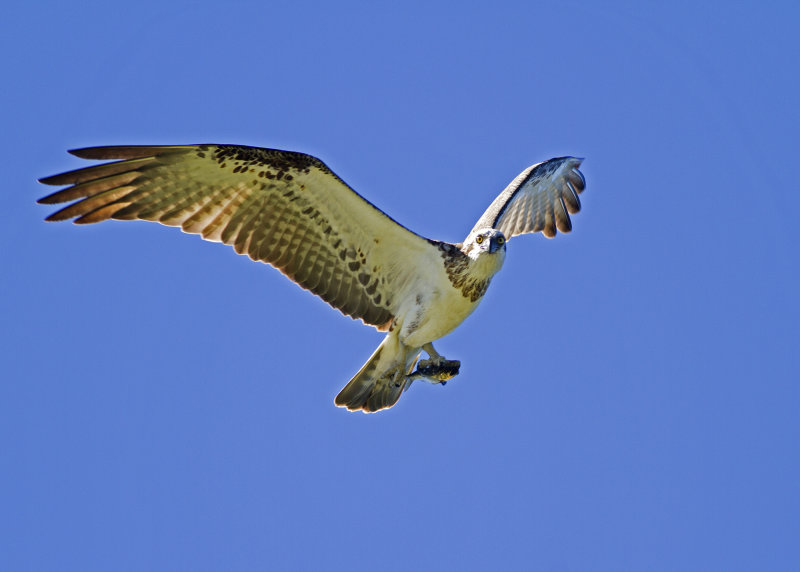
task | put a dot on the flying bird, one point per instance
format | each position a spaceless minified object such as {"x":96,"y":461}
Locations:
{"x":292,"y":212}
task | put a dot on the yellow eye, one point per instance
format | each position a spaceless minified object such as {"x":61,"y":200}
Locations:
{"x":479,"y":239}
{"x":500,"y":240}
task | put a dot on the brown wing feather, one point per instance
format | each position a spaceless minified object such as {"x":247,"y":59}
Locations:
{"x":286,"y":209}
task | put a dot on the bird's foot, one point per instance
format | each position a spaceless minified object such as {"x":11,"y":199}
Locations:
{"x":434,"y":361}
{"x":436,"y":370}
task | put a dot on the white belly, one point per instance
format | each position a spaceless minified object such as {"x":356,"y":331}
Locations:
{"x":434,"y":314}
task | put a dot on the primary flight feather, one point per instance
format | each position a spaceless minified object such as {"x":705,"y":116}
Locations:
{"x":291,"y":211}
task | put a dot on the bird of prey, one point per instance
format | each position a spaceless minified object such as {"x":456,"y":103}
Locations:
{"x":291,"y":211}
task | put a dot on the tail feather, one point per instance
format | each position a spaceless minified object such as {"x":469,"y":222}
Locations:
{"x":382,"y":380}
{"x":357,"y":391}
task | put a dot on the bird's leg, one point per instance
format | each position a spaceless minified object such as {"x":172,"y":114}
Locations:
{"x":435,"y":357}
{"x":436,"y":369}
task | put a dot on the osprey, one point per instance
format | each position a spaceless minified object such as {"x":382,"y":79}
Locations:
{"x":291,"y":211}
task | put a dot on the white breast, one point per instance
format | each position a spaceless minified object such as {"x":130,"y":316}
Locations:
{"x":433,"y":312}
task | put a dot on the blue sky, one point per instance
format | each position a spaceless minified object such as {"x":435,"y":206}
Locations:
{"x":628,"y":398}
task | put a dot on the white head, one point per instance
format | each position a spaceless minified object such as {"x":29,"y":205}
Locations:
{"x":487,"y":245}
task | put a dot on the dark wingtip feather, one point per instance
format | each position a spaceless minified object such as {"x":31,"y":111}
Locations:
{"x":80,"y":152}
{"x":53,"y":180}
{"x":112,"y":152}
{"x":577,"y":179}
{"x":109,"y":152}
{"x":55,"y":218}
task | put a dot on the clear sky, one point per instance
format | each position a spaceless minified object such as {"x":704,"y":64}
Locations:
{"x":628,"y":397}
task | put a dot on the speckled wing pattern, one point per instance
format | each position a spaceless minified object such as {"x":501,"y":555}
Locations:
{"x":283,"y":208}
{"x":540,"y":199}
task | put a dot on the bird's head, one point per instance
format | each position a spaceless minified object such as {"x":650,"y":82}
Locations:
{"x":485,"y":241}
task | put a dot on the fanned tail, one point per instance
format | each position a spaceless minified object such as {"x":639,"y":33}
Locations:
{"x":381,"y":381}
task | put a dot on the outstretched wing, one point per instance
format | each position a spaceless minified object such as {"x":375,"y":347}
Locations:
{"x":283,"y":208}
{"x":540,"y":198}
